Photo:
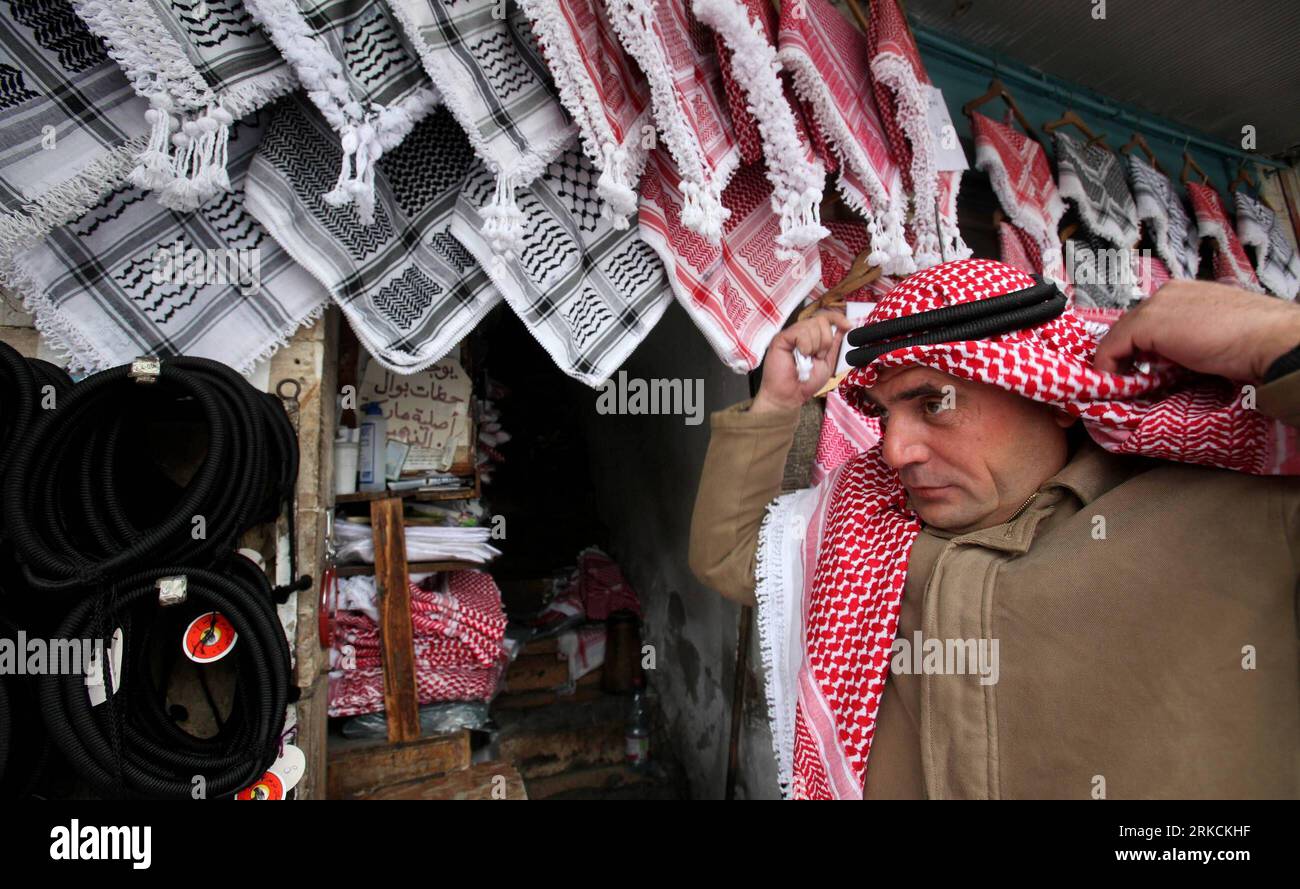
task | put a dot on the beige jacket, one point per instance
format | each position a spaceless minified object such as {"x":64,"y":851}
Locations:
{"x":1159,"y":661}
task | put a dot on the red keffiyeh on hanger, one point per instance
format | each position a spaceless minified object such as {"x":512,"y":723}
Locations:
{"x":738,"y":292}
{"x":828,"y":60}
{"x":860,"y":529}
{"x":1231,"y":265}
{"x":902,"y":88}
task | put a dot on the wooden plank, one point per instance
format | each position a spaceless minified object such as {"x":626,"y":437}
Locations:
{"x":412,"y":567}
{"x":396,"y":636}
{"x":488,"y":780}
{"x":465,"y":493}
{"x":359,"y":768}
{"x":536,"y":673}
{"x":587,"y":689}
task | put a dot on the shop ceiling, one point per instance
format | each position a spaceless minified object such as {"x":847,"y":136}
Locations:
{"x":1208,"y":65}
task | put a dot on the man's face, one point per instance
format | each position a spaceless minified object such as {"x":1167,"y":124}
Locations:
{"x":969,"y":454}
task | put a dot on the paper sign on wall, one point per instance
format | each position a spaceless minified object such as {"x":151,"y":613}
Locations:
{"x":428,"y":411}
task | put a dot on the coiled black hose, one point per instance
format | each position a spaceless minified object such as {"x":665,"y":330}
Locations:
{"x":129,"y":746}
{"x":87,"y":502}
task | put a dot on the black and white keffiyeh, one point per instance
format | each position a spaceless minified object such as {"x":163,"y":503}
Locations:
{"x":201,"y":66}
{"x":483,"y":59}
{"x":1172,"y":230}
{"x":72,"y":124}
{"x":410,"y":290}
{"x":132,"y":278}
{"x":1091,"y":176}
{"x":359,"y":70}
{"x":1276,"y":261}
{"x":587,"y":291}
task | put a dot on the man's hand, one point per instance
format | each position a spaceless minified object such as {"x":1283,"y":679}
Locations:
{"x":819,"y":338}
{"x":1206,"y":327}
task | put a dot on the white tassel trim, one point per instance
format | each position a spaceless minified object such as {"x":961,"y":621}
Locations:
{"x":503,"y":226}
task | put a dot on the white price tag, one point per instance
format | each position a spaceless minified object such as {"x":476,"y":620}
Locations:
{"x":948,"y":151}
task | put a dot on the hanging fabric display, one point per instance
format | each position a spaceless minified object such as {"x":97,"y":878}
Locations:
{"x":1021,"y":178}
{"x":1231,"y":265}
{"x":1091,"y":176}
{"x":845,"y":241}
{"x":481,"y":57}
{"x":603,"y":90}
{"x":902,"y":90}
{"x":1276,"y":260}
{"x":739,"y":293}
{"x":828,"y":59}
{"x":687,"y":96}
{"x":746,"y":34}
{"x":73,"y":125}
{"x":410,"y":290}
{"x":826,"y":624}
{"x":359,"y":71}
{"x":131,"y":278}
{"x":1160,"y":207}
{"x":587,"y":291}
{"x":198,"y":78}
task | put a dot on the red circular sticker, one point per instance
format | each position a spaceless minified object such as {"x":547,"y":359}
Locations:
{"x":208,"y":638}
{"x":268,"y":786}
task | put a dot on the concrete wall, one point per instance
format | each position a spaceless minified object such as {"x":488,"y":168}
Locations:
{"x":645,"y":470}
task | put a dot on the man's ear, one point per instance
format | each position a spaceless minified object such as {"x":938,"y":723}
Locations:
{"x":1064,"y":420}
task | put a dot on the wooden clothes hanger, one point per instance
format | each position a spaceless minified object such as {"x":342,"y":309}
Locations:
{"x":1189,"y":162}
{"x":1139,"y":141}
{"x":1070,"y":118}
{"x":998,"y":90}
{"x":859,"y":275}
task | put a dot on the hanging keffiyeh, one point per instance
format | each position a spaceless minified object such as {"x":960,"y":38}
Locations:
{"x":131,"y":278}
{"x":410,"y":290}
{"x":73,"y":125}
{"x":827,"y":623}
{"x":361,"y":74}
{"x":1091,"y":176}
{"x":902,"y":89}
{"x":828,"y":59}
{"x":688,"y":99}
{"x":1275,"y":259}
{"x":1231,"y":266}
{"x":201,"y":67}
{"x":481,"y":57}
{"x":1160,"y":207}
{"x":604,"y":91}
{"x":748,"y":28}
{"x":588,"y":292}
{"x":1022,"y":180}
{"x":738,"y":293}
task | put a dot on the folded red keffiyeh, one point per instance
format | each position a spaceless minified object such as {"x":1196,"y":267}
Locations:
{"x":828,"y":59}
{"x":832,"y":561}
{"x":902,"y":87}
{"x":1231,"y":265}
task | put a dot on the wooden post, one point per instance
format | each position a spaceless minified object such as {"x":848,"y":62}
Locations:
{"x":396,"y":637}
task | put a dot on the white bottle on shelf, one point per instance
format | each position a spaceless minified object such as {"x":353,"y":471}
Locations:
{"x":374,"y":447}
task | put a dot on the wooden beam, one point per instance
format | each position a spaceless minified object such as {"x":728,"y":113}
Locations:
{"x":396,"y":637}
{"x":359,"y":768}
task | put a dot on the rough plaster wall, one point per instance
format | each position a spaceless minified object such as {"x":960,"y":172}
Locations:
{"x":646,"y":469}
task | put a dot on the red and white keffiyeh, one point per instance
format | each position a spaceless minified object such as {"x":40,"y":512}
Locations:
{"x":1231,"y":265}
{"x":832,"y":560}
{"x":746,"y":32}
{"x":1022,"y":179}
{"x":902,"y":86}
{"x":604,"y":91}
{"x":680,"y":60}
{"x":828,"y":59}
{"x":738,"y":292}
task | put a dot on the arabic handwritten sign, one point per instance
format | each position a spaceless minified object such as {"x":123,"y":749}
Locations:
{"x":428,"y":410}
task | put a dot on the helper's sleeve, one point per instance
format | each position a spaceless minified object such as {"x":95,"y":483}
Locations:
{"x":1280,"y":399}
{"x":742,"y":475}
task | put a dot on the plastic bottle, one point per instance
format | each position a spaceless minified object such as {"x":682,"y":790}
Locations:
{"x":637,"y":734}
{"x":374,"y":448}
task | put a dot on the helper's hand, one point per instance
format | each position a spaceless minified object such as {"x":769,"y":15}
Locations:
{"x":1206,"y":327}
{"x":819,"y":338}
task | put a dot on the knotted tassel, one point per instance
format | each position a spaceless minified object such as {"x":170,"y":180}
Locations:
{"x":620,"y":199}
{"x":504,"y":221}
{"x":153,"y":169}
